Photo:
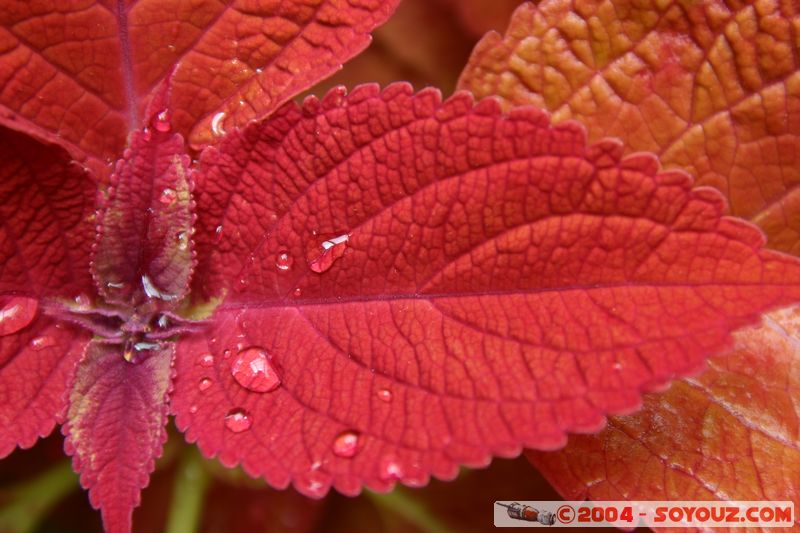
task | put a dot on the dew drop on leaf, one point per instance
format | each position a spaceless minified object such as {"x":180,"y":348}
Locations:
{"x":314,"y":484}
{"x":40,"y":343}
{"x":183,"y":240}
{"x":204,"y":384}
{"x":389,"y":469}
{"x":206,"y":360}
{"x":253,"y":370}
{"x":328,"y":252}
{"x":283,"y":261}
{"x":385,"y":395}
{"x":238,"y":420}
{"x":346,"y":444}
{"x":15,"y":313}
{"x":168,"y":196}
{"x":216,"y":124}
{"x":161,"y":122}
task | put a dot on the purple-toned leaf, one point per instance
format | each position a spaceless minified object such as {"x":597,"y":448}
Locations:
{"x":143,"y":247}
{"x":115,"y":427}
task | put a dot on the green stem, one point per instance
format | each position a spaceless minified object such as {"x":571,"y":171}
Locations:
{"x":188,"y":493}
{"x":401,"y":504}
{"x":32,"y":500}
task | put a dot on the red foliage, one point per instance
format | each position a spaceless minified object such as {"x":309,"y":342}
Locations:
{"x":369,"y":288}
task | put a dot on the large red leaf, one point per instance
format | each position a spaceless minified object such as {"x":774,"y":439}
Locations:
{"x":729,"y":434}
{"x":46,"y":210}
{"x":115,"y":426}
{"x":412,"y":285}
{"x":711,"y":87}
{"x":79,"y":71}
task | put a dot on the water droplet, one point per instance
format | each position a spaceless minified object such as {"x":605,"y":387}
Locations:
{"x":162,"y":121}
{"x":154,"y":292}
{"x":328,"y":252}
{"x":183,"y":240}
{"x":617,"y":366}
{"x":16,"y":312}
{"x":314,"y":484}
{"x":163,"y":321}
{"x":238,"y":420}
{"x":82,"y":300}
{"x":385,"y":395}
{"x":346,"y":444}
{"x":40,"y":343}
{"x":115,"y":285}
{"x":216,"y":124}
{"x":193,"y":409}
{"x":168,"y":196}
{"x":284,"y":261}
{"x":226,"y":354}
{"x":147,"y":134}
{"x":253,"y":371}
{"x":389,"y":469}
{"x":218,"y":234}
{"x":206,"y":360}
{"x":204,"y":384}
{"x":297,"y":292}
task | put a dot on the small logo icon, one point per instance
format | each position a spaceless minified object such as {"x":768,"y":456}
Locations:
{"x":517,"y":511}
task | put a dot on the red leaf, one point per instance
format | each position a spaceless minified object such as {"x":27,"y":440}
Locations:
{"x":115,"y":426}
{"x":502,"y":284}
{"x":87,"y":88}
{"x":144,"y":238}
{"x":46,"y":227}
{"x":36,"y":365}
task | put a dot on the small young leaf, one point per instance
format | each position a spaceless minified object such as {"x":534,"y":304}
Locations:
{"x":115,"y":426}
{"x":143,"y":247}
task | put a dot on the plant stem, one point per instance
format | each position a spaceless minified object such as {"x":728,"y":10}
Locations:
{"x":32,"y":500}
{"x":400,"y":503}
{"x":188,"y":493}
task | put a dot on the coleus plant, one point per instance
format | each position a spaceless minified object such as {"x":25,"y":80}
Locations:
{"x":368,"y":288}
{"x":712,"y":88}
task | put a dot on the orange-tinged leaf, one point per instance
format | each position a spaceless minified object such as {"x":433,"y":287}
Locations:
{"x":712,"y":87}
{"x":733,"y":433}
